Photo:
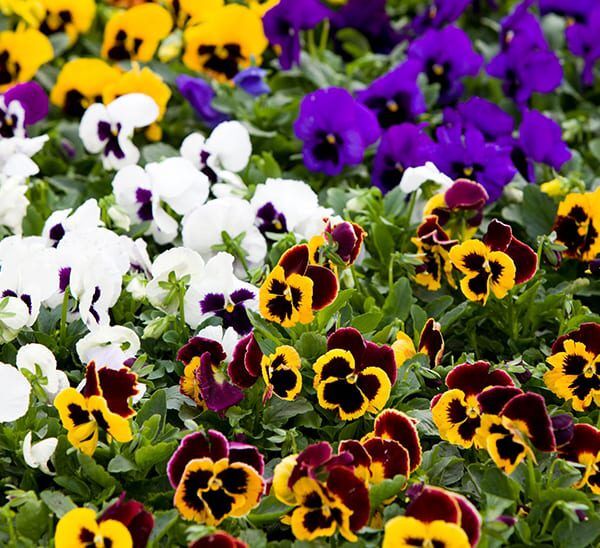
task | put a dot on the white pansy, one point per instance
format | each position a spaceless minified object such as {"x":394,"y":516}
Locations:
{"x":37,"y":455}
{"x":16,"y":152}
{"x":414,"y":177}
{"x":108,"y":129}
{"x":108,"y":346}
{"x":227,"y":338}
{"x":60,"y":222}
{"x":32,"y":357}
{"x":203,"y":229}
{"x":13,"y":203}
{"x":178,"y":262}
{"x":14,"y":393}
{"x":14,"y":316}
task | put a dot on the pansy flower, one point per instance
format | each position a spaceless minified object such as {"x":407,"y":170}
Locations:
{"x":215,"y":479}
{"x":22,"y":53}
{"x":343,"y":237}
{"x":402,"y":147}
{"x":335,"y":130}
{"x":253,"y":81}
{"x":141,"y":81}
{"x":395,"y":97}
{"x":443,"y":65}
{"x":403,"y":531}
{"x":431,"y":343}
{"x":295,"y":288}
{"x":81,"y":83}
{"x":577,"y":225}
{"x":220,"y":539}
{"x":81,"y":528}
{"x":134,"y":34}
{"x":21,"y":106}
{"x":584,"y":449}
{"x":354,"y":376}
{"x":581,"y":41}
{"x":203,"y":379}
{"x":512,"y":432}
{"x":134,"y":516}
{"x":434,"y":247}
{"x":230,"y":39}
{"x":459,"y":205}
{"x":190,"y":12}
{"x":219,"y":293}
{"x":73,"y":17}
{"x":245,"y":366}
{"x":102,"y":404}
{"x":108,"y":129}
{"x":199,"y":94}
{"x":575,"y":372}
{"x":456,"y":412}
{"x":281,"y":373}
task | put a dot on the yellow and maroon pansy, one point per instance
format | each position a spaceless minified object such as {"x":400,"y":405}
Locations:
{"x":361,"y":460}
{"x":192,"y":12}
{"x":388,"y":459}
{"x":457,"y":413}
{"x":134,"y":34}
{"x":73,"y":17}
{"x":521,"y":425}
{"x":431,"y":343}
{"x":577,"y":225}
{"x":79,"y":528}
{"x":485,"y":271}
{"x":210,"y":491}
{"x":584,"y":448}
{"x":405,"y":532}
{"x":354,"y":376}
{"x":80,"y":83}
{"x":218,"y":539}
{"x":228,"y":40}
{"x":22,"y":53}
{"x":433,"y":245}
{"x":244,"y":369}
{"x":281,"y":373}
{"x":132,"y":515}
{"x":295,"y":288}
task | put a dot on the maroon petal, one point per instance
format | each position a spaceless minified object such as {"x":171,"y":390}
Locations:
{"x":397,"y":426}
{"x":498,"y":235}
{"x":525,"y":260}
{"x":238,"y":372}
{"x":432,"y":342}
{"x":134,"y":516}
{"x":344,"y":236}
{"x":217,"y":396}
{"x":360,"y":457}
{"x":352,"y":492}
{"x":309,"y":460}
{"x":248,"y":454}
{"x":92,"y":383}
{"x":197,"y":346}
{"x":197,"y":445}
{"x":220,"y":539}
{"x":465,"y":194}
{"x":348,"y":338}
{"x":470,"y":519}
{"x":253,"y":358}
{"x":588,"y":333}
{"x":586,"y":439}
{"x":430,"y":232}
{"x":492,"y":400}
{"x":381,"y":356}
{"x":531,"y":409}
{"x":295,"y":260}
{"x":472,"y":378}
{"x":325,"y":286}
{"x":391,"y":455}
{"x":117,"y":387}
{"x":434,"y":503}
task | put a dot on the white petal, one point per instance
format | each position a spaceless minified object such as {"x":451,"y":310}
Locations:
{"x":88,"y":127}
{"x":38,"y":454}
{"x":31,"y":355}
{"x":14,"y":393}
{"x":414,"y":177}
{"x":192,"y":147}
{"x":230,"y":142}
{"x":134,"y":110}
{"x":20,"y":165}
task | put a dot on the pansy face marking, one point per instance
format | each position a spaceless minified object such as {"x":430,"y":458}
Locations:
{"x":281,"y":373}
{"x":79,"y":528}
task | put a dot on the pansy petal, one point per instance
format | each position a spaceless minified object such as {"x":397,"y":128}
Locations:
{"x":432,"y":504}
{"x":397,"y":426}
{"x":473,"y":378}
{"x":218,"y":396}
{"x":295,"y":260}
{"x":325,"y":286}
{"x":531,"y":410}
{"x":134,"y":110}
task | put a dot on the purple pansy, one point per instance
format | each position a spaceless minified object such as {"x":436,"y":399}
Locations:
{"x":283,"y":23}
{"x":395,"y":97}
{"x":402,"y":146}
{"x":21,"y":106}
{"x":439,"y":14}
{"x":446,"y":65}
{"x":482,"y":114}
{"x":467,"y":154}
{"x":335,"y":130}
{"x":199,"y":94}
{"x":582,"y":39}
{"x":252,"y":81}
{"x":578,"y":10}
{"x":230,"y":308}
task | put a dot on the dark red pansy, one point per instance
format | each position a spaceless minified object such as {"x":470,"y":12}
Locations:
{"x":217,"y":395}
{"x":349,"y":238}
{"x":220,"y":539}
{"x":431,"y":233}
{"x":563,"y":428}
{"x":586,"y":439}
{"x":365,"y":353}
{"x":470,"y":519}
{"x":244,"y":368}
{"x":197,"y":346}
{"x":248,"y":454}
{"x":492,"y":400}
{"x":473,"y":378}
{"x":198,"y":445}
{"x":353,"y":493}
{"x":499,"y":237}
{"x":325,"y":283}
{"x":397,"y":426}
{"x":587,"y":333}
{"x":134,"y":516}
{"x":530,"y":409}
{"x":309,"y":460}
{"x":117,"y":387}
{"x":360,"y":457}
{"x":391,"y":456}
{"x":431,"y":342}
{"x":466,"y":194}
{"x":432,"y":504}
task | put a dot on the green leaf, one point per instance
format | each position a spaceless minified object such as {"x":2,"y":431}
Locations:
{"x":368,"y":321}
{"x":58,"y":502}
{"x":278,"y":412}
{"x":495,"y":482}
{"x":32,"y":520}
{"x":156,"y":405}
{"x":119,"y":464}
{"x":270,"y":509}
{"x":397,"y":304}
{"x":387,"y":489}
{"x":95,"y":472}
{"x":146,"y":457}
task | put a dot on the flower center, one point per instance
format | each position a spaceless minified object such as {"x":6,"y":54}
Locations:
{"x":215,"y":484}
{"x":352,"y":378}
{"x":392,"y":106}
{"x":438,"y":69}
{"x":589,"y":370}
{"x":330,"y":138}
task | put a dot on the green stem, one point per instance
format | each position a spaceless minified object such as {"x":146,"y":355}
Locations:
{"x":182,"y":323}
{"x":63,"y":316}
{"x":548,"y":516}
{"x":530,"y":480}
{"x":324,"y":36}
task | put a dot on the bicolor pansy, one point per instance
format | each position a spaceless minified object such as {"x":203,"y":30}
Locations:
{"x":584,"y":449}
{"x":431,"y":343}
{"x":281,"y":373}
